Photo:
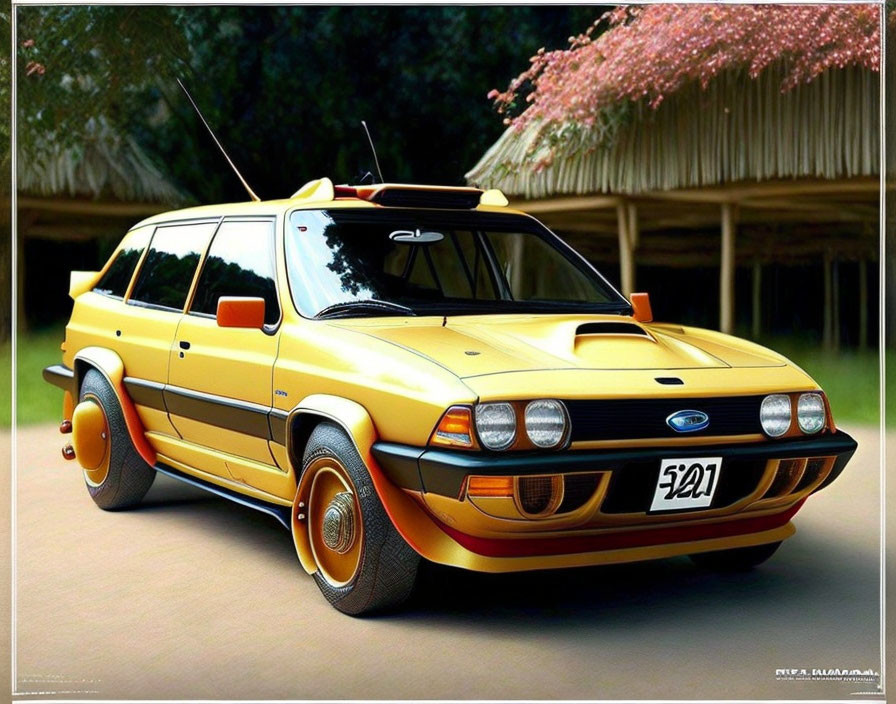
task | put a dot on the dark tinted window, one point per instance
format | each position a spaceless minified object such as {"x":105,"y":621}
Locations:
{"x":240,"y":262}
{"x":167,"y":271}
{"x":117,"y":277}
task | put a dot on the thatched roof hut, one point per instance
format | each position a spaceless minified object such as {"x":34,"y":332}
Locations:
{"x":88,"y":191}
{"x":682,"y":118}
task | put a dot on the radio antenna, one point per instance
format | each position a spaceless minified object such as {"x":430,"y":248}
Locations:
{"x":232,"y":165}
{"x":373,"y":149}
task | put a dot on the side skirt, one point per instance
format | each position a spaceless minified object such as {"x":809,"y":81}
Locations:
{"x":283,"y":514}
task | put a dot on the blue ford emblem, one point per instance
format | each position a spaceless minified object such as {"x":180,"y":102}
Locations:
{"x":687,"y":421}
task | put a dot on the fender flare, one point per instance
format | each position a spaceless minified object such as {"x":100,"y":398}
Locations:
{"x":354,"y":419}
{"x":109,"y":364}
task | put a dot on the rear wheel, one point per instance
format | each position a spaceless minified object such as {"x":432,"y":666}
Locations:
{"x":736,"y":559}
{"x":363,"y":564}
{"x":116,"y":475}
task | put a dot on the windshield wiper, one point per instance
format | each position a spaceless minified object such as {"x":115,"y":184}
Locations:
{"x":346,"y":308}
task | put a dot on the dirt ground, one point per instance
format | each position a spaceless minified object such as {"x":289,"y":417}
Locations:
{"x":191,"y":596}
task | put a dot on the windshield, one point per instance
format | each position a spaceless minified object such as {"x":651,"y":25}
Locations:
{"x":371,"y":263}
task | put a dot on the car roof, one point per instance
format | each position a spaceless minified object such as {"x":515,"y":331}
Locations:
{"x":321,"y":193}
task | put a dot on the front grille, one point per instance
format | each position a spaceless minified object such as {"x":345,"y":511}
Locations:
{"x":536,"y":493}
{"x":628,"y":419}
{"x":632,"y":485}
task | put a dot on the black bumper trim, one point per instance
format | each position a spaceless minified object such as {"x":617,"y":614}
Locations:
{"x":59,"y":375}
{"x":443,"y":471}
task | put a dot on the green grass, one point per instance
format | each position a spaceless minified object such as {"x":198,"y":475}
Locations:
{"x":850,"y":378}
{"x":38,"y":401}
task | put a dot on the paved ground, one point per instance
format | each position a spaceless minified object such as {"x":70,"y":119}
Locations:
{"x":193,"y":597}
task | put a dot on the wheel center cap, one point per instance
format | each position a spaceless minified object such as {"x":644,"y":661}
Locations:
{"x":338,"y":529}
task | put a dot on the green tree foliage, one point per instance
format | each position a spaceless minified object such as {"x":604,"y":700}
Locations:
{"x":80,"y":63}
{"x":286,"y":88}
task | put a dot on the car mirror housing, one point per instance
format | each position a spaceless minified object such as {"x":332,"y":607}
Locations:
{"x":641,"y":307}
{"x":240,"y":312}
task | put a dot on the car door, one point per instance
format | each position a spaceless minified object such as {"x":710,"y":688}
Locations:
{"x":144,"y":328}
{"x":219,"y":388}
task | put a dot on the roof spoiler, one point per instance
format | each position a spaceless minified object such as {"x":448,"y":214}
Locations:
{"x":404,"y":195}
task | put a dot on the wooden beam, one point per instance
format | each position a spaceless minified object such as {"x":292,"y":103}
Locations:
{"x":737,"y":192}
{"x":726,"y":270}
{"x":90,"y":207}
{"x":561,"y":205}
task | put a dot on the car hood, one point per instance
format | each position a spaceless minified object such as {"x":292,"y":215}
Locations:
{"x":471,"y":346}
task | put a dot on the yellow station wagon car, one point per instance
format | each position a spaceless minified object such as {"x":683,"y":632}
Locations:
{"x":402,"y":372}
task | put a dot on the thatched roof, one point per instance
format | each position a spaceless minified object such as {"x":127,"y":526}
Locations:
{"x":104,"y":165}
{"x":690,"y":96}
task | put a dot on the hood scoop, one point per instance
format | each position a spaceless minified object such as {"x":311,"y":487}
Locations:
{"x":611,"y":328}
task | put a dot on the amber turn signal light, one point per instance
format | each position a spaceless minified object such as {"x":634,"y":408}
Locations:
{"x":455,"y":428}
{"x":490,"y":486}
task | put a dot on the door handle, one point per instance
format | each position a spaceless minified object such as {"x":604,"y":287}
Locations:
{"x":184,"y":345}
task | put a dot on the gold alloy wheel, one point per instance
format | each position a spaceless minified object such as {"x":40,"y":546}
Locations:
{"x":92,"y":439}
{"x":334,"y":521}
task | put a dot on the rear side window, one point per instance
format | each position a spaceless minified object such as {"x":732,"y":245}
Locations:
{"x":240,"y":262}
{"x":167,"y":272}
{"x":117,"y":277}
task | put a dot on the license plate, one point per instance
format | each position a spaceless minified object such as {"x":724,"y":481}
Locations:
{"x":686,"y":483}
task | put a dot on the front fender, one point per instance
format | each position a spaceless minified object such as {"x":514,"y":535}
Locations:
{"x":358,"y":425}
{"x":109,"y":364}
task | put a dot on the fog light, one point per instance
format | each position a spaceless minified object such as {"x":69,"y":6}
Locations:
{"x":774,"y":415}
{"x":496,"y":425}
{"x":810,"y":413}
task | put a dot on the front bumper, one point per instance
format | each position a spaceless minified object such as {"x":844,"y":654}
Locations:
{"x":752,"y":504}
{"x":443,"y":472}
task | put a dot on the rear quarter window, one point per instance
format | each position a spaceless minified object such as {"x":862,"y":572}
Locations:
{"x":118,"y":275}
{"x":166,"y":275}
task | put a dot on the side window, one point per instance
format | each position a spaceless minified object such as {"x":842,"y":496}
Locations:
{"x":240,"y":262}
{"x":117,"y":277}
{"x":167,"y":272}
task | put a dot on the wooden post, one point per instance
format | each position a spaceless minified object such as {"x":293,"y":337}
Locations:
{"x":726,"y":273}
{"x":835,"y":300}
{"x":634,"y":236}
{"x":827,"y":334}
{"x":626,"y":256}
{"x":757,"y":299}
{"x":863,"y":304}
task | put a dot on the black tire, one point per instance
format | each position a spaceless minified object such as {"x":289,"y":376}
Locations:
{"x":129,"y":476}
{"x":736,"y":559}
{"x":388,"y":566}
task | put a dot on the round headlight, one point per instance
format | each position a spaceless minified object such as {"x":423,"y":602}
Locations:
{"x":496,"y":425}
{"x":810,"y":413}
{"x":775,"y":414}
{"x":545,"y":422}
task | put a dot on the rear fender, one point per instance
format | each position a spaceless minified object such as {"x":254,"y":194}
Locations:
{"x":109,"y":364}
{"x":358,"y":425}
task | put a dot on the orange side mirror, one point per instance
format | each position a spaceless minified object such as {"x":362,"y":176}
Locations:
{"x":240,"y":312}
{"x":641,"y":306}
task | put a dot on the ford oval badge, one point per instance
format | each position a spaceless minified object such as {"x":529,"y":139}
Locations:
{"x":687,"y":421}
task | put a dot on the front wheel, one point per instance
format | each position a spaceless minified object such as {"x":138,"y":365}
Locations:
{"x":363,"y":564}
{"x":736,"y":559}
